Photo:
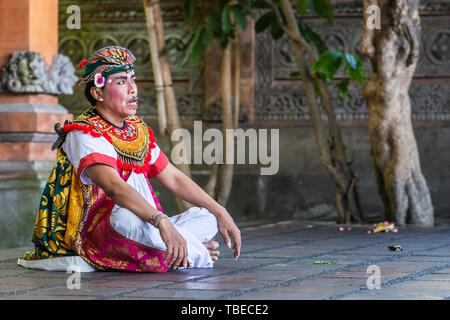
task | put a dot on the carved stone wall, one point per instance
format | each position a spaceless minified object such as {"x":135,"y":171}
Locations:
{"x":280,"y":102}
{"x":277,"y":96}
{"x":105,"y":23}
{"x":280,"y":97}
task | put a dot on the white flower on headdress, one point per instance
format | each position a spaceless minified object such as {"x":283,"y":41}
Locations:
{"x":99,"y":80}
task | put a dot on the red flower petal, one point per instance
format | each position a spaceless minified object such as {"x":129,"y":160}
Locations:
{"x":83,"y":63}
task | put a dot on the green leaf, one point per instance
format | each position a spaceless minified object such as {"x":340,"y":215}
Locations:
{"x":239,"y":16}
{"x":194,"y":41}
{"x":351,"y":61}
{"x":207,"y":37}
{"x":328,"y":64}
{"x":264,"y":22}
{"x":276,"y":30}
{"x":213,"y":24}
{"x":311,"y":5}
{"x":248,"y":9}
{"x":323,"y":8}
{"x":224,"y":42}
{"x":353,"y":67}
{"x":259,"y":4}
{"x":197,"y":47}
{"x":295,"y":74}
{"x":311,"y":36}
{"x":197,"y":53}
{"x":188,"y":6}
{"x":342,"y":88}
{"x":302,"y":6}
{"x":226,"y":19}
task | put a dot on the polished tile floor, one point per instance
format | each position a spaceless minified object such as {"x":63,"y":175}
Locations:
{"x":277,"y":263}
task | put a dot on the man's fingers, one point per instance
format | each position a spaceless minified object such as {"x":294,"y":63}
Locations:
{"x":168,"y":254}
{"x":174,"y":257}
{"x":185,"y":260}
{"x":226,"y":238}
{"x":180,"y":258}
{"x":237,"y":244}
{"x":237,"y":250}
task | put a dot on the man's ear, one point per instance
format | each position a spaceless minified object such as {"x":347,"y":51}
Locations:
{"x":96,"y":93}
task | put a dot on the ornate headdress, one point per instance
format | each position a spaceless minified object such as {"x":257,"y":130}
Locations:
{"x":104,"y":62}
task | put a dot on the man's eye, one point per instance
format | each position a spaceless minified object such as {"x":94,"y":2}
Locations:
{"x":121,"y":82}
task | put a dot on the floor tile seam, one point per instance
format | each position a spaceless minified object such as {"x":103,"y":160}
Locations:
{"x":431,"y":280}
{"x":317,"y":275}
{"x":392,"y":282}
{"x":285,"y":246}
{"x":285,"y":232}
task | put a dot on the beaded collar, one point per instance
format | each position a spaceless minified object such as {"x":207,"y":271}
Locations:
{"x":133,"y":142}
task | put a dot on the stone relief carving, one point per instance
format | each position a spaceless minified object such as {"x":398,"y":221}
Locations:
{"x":27,"y":72}
{"x":61,"y":75}
{"x":278,"y":96}
{"x":275,"y":61}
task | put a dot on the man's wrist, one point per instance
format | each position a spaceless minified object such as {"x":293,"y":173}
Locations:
{"x":157,"y":218}
{"x":163,"y":223}
{"x":217,"y":210}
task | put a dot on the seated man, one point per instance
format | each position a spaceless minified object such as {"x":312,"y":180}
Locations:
{"x":98,"y":203}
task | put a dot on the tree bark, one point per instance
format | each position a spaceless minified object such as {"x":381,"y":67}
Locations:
{"x":331,"y":147}
{"x":236,"y":79}
{"x":173,"y":118}
{"x":393,"y":51}
{"x":225,"y":174}
{"x":157,"y":75}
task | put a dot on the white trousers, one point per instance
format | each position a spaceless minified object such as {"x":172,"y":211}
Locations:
{"x":196,"y":225}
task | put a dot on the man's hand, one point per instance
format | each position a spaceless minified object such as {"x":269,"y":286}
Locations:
{"x":176,"y":245}
{"x":227,"y":227}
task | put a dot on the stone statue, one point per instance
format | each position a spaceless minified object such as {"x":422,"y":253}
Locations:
{"x":61,"y":75}
{"x":26,"y":72}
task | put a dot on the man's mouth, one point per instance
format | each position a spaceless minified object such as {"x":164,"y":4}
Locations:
{"x":133,"y":100}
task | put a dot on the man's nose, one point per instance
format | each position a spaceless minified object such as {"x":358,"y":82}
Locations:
{"x":132,"y":88}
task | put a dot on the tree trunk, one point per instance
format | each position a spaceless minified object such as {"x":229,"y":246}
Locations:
{"x":225,"y":177}
{"x":331,"y":147}
{"x":173,"y":119}
{"x":236,"y":79}
{"x":393,"y":50}
{"x":211,"y":185}
{"x":157,"y":75}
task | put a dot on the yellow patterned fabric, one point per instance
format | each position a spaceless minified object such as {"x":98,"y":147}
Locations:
{"x":59,"y":213}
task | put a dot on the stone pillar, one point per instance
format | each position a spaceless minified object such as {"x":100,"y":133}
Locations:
{"x":26,"y":119}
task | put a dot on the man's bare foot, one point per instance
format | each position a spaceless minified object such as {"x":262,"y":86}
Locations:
{"x":211,"y":246}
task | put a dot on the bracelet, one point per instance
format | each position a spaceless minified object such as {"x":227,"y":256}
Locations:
{"x":158,"y":218}
{"x":154,"y":221}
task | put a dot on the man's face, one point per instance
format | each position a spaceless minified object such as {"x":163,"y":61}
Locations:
{"x":120,"y":94}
